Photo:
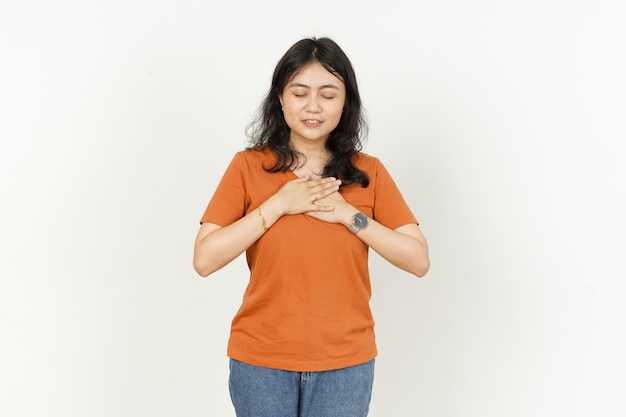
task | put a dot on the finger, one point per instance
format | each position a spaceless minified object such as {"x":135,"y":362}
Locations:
{"x":326,"y":186}
{"x":325,"y":190}
{"x":319,"y":207}
{"x":322,"y":181}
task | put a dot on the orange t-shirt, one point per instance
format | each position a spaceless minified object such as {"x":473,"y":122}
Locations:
{"x":306,"y":307}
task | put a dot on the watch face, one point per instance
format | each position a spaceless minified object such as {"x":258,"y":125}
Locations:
{"x":360,"y":220}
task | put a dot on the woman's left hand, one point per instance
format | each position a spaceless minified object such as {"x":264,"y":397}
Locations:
{"x":342,"y":213}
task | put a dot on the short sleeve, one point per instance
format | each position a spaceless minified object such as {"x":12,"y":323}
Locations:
{"x":228,"y":203}
{"x":390,"y":208}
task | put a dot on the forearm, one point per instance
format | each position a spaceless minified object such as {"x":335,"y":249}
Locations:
{"x":405,"y":247}
{"x":216,"y":248}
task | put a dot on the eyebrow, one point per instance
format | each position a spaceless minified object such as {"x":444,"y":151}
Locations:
{"x":306,"y":86}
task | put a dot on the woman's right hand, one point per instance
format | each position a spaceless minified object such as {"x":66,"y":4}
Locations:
{"x":299,"y":195}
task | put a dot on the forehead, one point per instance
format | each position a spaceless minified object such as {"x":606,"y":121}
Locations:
{"x":315,"y":75}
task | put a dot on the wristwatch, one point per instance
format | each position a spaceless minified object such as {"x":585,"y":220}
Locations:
{"x":359,"y":222}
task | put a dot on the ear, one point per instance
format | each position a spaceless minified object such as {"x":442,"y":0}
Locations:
{"x":280,"y":98}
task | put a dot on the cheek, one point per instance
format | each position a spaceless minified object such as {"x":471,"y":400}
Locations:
{"x":290,"y":117}
{"x":290,"y":107}
{"x":337,"y":110}
{"x":339,"y":105}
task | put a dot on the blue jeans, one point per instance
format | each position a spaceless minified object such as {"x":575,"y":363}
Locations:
{"x":262,"y":392}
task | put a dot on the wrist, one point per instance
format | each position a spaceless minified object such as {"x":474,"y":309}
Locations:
{"x":346,"y":214}
{"x":275,"y":208}
{"x":347,"y":220}
{"x":269,"y":213}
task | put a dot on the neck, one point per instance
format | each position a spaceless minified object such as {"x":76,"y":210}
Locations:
{"x":310,"y":150}
{"x":312,"y":158}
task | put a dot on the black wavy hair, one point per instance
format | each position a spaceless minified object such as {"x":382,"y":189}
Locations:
{"x":269,"y":129}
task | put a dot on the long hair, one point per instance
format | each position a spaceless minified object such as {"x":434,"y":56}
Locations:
{"x":269,"y":129}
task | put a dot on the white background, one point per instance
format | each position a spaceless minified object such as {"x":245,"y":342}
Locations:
{"x":501,"y":121}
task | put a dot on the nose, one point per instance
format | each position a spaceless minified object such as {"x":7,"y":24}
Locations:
{"x":313,"y":104}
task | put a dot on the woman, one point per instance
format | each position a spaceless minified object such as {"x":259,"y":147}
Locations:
{"x":305,"y":204}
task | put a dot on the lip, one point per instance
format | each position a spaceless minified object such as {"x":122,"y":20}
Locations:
{"x":312,"y":122}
